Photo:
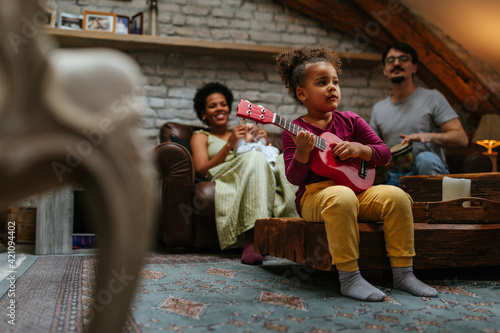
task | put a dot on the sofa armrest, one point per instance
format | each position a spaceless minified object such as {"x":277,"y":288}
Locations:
{"x":176,"y":170}
{"x":205,"y":228}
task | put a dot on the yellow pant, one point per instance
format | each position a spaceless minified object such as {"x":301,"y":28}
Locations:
{"x":340,"y":208}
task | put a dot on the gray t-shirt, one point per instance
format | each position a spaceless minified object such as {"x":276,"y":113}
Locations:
{"x":424,"y":110}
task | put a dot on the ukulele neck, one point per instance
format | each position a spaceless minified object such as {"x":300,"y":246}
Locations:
{"x":287,"y":125}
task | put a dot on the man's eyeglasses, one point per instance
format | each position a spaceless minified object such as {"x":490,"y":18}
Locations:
{"x":402,"y":59}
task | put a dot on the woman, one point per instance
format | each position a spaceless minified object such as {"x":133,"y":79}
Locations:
{"x":246,"y":187}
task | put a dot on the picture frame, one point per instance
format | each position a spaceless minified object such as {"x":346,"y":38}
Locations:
{"x":70,"y":21}
{"x":137,"y":24}
{"x":122,"y":24}
{"x":99,"y":21}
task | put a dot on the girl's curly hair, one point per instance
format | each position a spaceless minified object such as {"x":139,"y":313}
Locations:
{"x":291,"y":65}
{"x":200,"y":98}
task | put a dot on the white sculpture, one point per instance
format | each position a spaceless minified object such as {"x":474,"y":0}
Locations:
{"x":70,"y":116}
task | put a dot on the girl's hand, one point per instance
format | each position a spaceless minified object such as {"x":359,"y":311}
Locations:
{"x":346,"y":149}
{"x":304,"y":141}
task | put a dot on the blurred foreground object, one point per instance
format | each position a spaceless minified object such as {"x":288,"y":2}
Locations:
{"x":70,"y":117}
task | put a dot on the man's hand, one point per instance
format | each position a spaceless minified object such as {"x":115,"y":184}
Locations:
{"x":452,"y":136}
{"x":422,"y":137}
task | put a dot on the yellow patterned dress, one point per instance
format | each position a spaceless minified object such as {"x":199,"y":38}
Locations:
{"x":246,"y":189}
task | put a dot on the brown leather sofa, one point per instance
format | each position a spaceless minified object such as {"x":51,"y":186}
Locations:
{"x":187,"y":203}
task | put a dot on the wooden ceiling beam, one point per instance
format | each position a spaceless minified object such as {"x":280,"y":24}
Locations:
{"x":438,"y":66}
{"x":341,"y":17}
{"x":379,"y":23}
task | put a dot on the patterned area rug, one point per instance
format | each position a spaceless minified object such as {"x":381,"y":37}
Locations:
{"x":200,"y":293}
{"x":223,"y":295}
{"x":47,"y":297}
{"x":53,"y":295}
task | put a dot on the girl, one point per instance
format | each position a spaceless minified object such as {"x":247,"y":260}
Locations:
{"x":311,"y":76}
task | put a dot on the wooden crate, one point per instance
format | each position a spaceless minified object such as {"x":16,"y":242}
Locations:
{"x":430,"y":188}
{"x":459,"y":211}
{"x":25,"y":224}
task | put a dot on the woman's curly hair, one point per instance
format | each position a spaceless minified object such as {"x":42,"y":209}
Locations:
{"x":200,"y":98}
{"x":291,"y":65}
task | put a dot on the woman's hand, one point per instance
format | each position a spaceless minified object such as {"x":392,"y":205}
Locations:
{"x":259,"y":133}
{"x":239,"y":132}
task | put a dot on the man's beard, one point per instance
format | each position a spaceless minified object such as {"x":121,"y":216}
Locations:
{"x":397,"y":79}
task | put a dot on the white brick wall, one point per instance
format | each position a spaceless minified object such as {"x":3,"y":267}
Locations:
{"x":172,"y":79}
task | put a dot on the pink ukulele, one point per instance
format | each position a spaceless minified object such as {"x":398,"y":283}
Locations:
{"x":355,"y":173}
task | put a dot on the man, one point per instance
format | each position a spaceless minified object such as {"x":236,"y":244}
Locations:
{"x":415,"y":115}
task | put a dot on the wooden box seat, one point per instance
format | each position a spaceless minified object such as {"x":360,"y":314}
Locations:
{"x":447,"y":234}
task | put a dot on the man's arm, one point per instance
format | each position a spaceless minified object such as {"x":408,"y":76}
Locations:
{"x":452,"y":136}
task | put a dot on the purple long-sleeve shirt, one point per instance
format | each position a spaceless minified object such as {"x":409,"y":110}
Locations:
{"x":348,"y":126}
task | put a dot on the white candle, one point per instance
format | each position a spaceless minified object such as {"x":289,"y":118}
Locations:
{"x":454,"y":188}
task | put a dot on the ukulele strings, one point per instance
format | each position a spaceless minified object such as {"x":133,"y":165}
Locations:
{"x":320,"y":142}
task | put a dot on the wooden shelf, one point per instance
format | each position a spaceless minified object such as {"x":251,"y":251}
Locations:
{"x":144,"y":43}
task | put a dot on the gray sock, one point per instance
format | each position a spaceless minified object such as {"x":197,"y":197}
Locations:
{"x":353,"y":285}
{"x":403,"y":279}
